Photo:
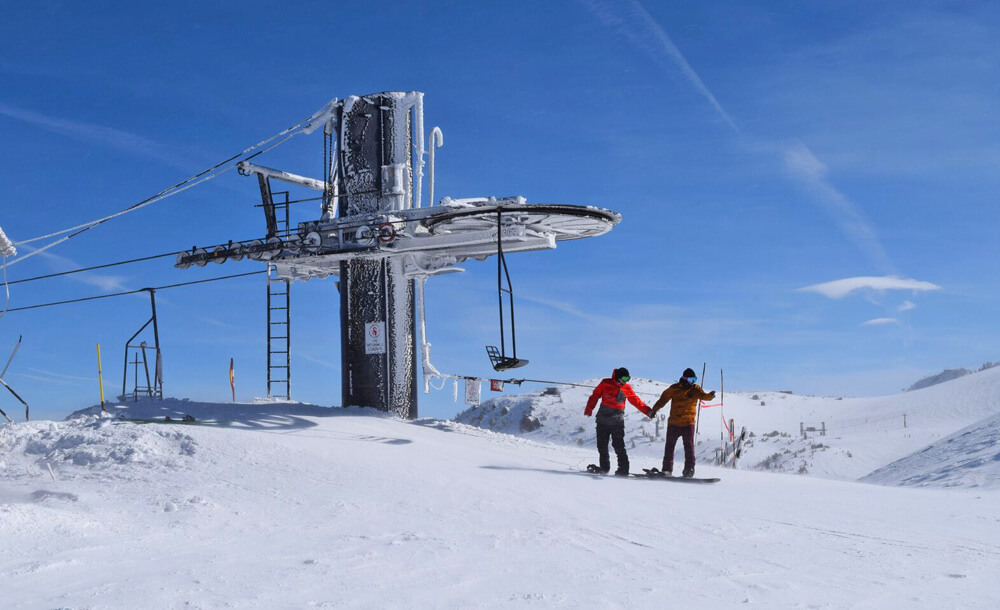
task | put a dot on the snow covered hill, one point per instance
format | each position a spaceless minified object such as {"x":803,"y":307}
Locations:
{"x":295,"y":506}
{"x":943,"y":376}
{"x":853,"y":436}
{"x":968,"y":458}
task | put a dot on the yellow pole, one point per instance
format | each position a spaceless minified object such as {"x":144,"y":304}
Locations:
{"x":100,"y":376}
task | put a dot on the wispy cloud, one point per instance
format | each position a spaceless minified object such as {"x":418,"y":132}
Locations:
{"x":110,"y":137}
{"x":634,"y":23}
{"x":107,"y":283}
{"x":907,"y":306}
{"x":52,"y":377}
{"x":325,"y":363}
{"x":644,"y":317}
{"x":217,"y":322}
{"x":882,"y":322}
{"x":839,"y":289}
{"x":803,"y":165}
{"x":567,"y":308}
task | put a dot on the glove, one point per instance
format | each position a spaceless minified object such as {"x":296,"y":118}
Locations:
{"x":711,"y":395}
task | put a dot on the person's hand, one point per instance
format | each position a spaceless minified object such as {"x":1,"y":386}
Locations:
{"x":586,"y":413}
{"x":711,"y":395}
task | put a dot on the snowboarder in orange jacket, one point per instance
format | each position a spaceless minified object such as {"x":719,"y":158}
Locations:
{"x":685,"y":395}
{"x":613,"y":392}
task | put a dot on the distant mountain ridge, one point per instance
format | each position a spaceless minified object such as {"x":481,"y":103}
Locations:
{"x":943,"y":376}
{"x":947,"y":375}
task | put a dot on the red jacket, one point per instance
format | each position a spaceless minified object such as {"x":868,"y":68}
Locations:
{"x":613,"y":395}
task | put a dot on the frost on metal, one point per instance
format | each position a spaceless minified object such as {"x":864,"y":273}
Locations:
{"x":6,"y":247}
{"x":374,"y":233}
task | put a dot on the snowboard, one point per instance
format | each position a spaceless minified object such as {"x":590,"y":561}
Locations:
{"x":654,"y":473}
{"x":651,"y":473}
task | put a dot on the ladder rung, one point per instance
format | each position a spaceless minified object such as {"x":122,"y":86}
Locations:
{"x":277,"y":366}
{"x":277,"y":352}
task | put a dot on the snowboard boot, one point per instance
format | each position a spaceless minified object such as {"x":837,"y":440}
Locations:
{"x":595,"y":469}
{"x":689,"y":473}
{"x":621,"y":473}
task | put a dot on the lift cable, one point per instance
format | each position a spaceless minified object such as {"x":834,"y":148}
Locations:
{"x":118,"y":294}
{"x":305,"y":126}
{"x":104,"y":266}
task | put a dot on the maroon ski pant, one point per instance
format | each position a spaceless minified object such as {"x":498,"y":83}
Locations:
{"x":673,"y":433}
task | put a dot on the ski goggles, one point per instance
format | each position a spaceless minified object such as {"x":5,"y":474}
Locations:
{"x":624,"y":378}
{"x":692,"y":379}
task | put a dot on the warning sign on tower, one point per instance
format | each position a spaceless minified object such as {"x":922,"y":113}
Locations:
{"x":375,"y":337}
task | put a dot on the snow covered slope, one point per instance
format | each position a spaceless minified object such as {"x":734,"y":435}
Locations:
{"x":861,"y":434}
{"x":293,"y":506}
{"x":968,"y":458}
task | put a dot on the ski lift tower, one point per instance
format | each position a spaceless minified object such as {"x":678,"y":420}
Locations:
{"x":375,"y":236}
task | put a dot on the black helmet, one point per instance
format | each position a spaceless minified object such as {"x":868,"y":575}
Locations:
{"x":622,"y":372}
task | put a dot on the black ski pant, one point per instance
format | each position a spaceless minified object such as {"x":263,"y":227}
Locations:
{"x":679,"y":432}
{"x":616,"y":433}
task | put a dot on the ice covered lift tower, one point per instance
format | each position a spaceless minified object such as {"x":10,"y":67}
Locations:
{"x":374,"y":234}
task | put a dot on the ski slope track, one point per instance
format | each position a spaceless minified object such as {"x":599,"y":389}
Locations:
{"x":296,"y":506}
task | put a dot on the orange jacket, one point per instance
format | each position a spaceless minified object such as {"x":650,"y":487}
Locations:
{"x":613,"y":395}
{"x":684,"y":408}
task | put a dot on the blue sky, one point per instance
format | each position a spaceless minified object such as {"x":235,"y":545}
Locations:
{"x":808,"y":190}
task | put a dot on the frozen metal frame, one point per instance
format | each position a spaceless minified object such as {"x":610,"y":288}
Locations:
{"x":430,"y":240}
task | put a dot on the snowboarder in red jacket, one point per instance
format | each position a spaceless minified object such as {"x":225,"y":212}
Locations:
{"x":613,"y":392}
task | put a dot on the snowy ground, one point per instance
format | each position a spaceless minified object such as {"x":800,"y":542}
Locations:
{"x":292,"y":506}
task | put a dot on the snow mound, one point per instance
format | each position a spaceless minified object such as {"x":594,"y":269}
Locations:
{"x":93,"y":447}
{"x":968,"y":458}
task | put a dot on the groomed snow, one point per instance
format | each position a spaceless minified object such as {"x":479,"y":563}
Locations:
{"x":295,"y":506}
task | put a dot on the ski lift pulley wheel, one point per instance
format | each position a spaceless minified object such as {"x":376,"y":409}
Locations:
{"x":565,"y":222}
{"x":503,"y":363}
